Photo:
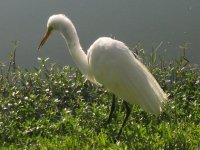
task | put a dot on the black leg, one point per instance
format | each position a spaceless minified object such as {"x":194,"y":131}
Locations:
{"x":128,"y":112}
{"x":112,"y":109}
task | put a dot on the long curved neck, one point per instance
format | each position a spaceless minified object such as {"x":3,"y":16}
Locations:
{"x":80,"y":58}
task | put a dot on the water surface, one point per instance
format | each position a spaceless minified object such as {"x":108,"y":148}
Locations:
{"x":150,"y":22}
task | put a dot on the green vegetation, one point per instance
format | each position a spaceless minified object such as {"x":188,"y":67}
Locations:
{"x":56,"y":108}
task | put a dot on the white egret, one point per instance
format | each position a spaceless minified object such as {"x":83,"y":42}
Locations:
{"x":110,"y":63}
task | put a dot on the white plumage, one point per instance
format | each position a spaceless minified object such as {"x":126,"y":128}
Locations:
{"x":113,"y":65}
{"x":109,"y":62}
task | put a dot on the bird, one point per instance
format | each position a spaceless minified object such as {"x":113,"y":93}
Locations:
{"x":110,"y":63}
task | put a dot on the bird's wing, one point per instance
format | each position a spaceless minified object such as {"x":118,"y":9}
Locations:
{"x":113,"y":65}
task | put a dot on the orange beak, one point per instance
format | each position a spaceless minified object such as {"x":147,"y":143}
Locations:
{"x":44,"y":39}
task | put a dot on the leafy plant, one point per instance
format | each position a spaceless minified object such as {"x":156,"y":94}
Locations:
{"x":55,"y":107}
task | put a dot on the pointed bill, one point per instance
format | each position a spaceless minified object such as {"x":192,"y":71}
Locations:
{"x":44,"y":39}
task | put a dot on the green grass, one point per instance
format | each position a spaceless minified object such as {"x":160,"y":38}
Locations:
{"x":53,"y":107}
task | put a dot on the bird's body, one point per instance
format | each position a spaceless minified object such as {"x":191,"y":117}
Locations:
{"x":110,"y":62}
{"x":113,"y":65}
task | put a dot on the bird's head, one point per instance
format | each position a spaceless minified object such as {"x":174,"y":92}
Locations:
{"x":55,"y":23}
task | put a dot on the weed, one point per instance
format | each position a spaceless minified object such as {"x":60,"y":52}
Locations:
{"x":56,"y":108}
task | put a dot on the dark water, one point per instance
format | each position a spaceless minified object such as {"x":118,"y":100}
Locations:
{"x":150,"y":22}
